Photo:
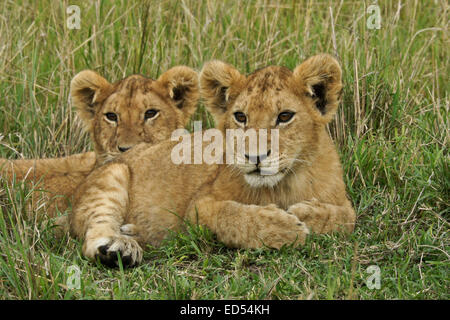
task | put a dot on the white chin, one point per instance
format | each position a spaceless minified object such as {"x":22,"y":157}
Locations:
{"x":258,"y":181}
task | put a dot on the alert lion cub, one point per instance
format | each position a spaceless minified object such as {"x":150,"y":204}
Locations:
{"x":136,"y":199}
{"x":117,"y":116}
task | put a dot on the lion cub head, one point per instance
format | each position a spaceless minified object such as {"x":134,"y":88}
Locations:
{"x":135,"y":109}
{"x":298,"y":103}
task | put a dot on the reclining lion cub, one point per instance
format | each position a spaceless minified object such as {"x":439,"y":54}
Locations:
{"x":136,"y":199}
{"x":118,"y":116}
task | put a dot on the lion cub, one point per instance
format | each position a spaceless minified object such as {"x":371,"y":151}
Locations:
{"x":117,"y":116}
{"x":136,"y":199}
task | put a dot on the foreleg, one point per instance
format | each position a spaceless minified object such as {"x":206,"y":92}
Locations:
{"x":323,"y":217}
{"x":248,"y":226}
{"x":99,"y":212}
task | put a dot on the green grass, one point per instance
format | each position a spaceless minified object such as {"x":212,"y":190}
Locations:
{"x":392,"y":132}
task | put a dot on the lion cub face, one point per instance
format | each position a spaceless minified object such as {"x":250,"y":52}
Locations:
{"x":135,"y":109}
{"x":297,"y":104}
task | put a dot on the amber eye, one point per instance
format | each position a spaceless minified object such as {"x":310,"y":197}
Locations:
{"x":151,"y":113}
{"x":285,"y":116}
{"x":111,"y":116}
{"x":240,"y":117}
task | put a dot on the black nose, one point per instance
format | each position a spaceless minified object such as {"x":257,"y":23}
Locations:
{"x":258,"y":158}
{"x":123,"y":149}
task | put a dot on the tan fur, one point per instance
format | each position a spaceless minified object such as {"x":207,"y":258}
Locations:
{"x":174,"y":94}
{"x":144,"y":194}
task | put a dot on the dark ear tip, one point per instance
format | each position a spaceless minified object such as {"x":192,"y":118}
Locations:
{"x":321,"y":76}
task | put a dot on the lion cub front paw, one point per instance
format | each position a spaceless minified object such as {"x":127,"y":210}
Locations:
{"x":106,"y":249}
{"x":274,"y":228}
{"x":321,"y":217}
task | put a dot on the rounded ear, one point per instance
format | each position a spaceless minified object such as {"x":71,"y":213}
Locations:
{"x":180,"y":84}
{"x":321,"y":77}
{"x":220,"y":83}
{"x":87,"y":90}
